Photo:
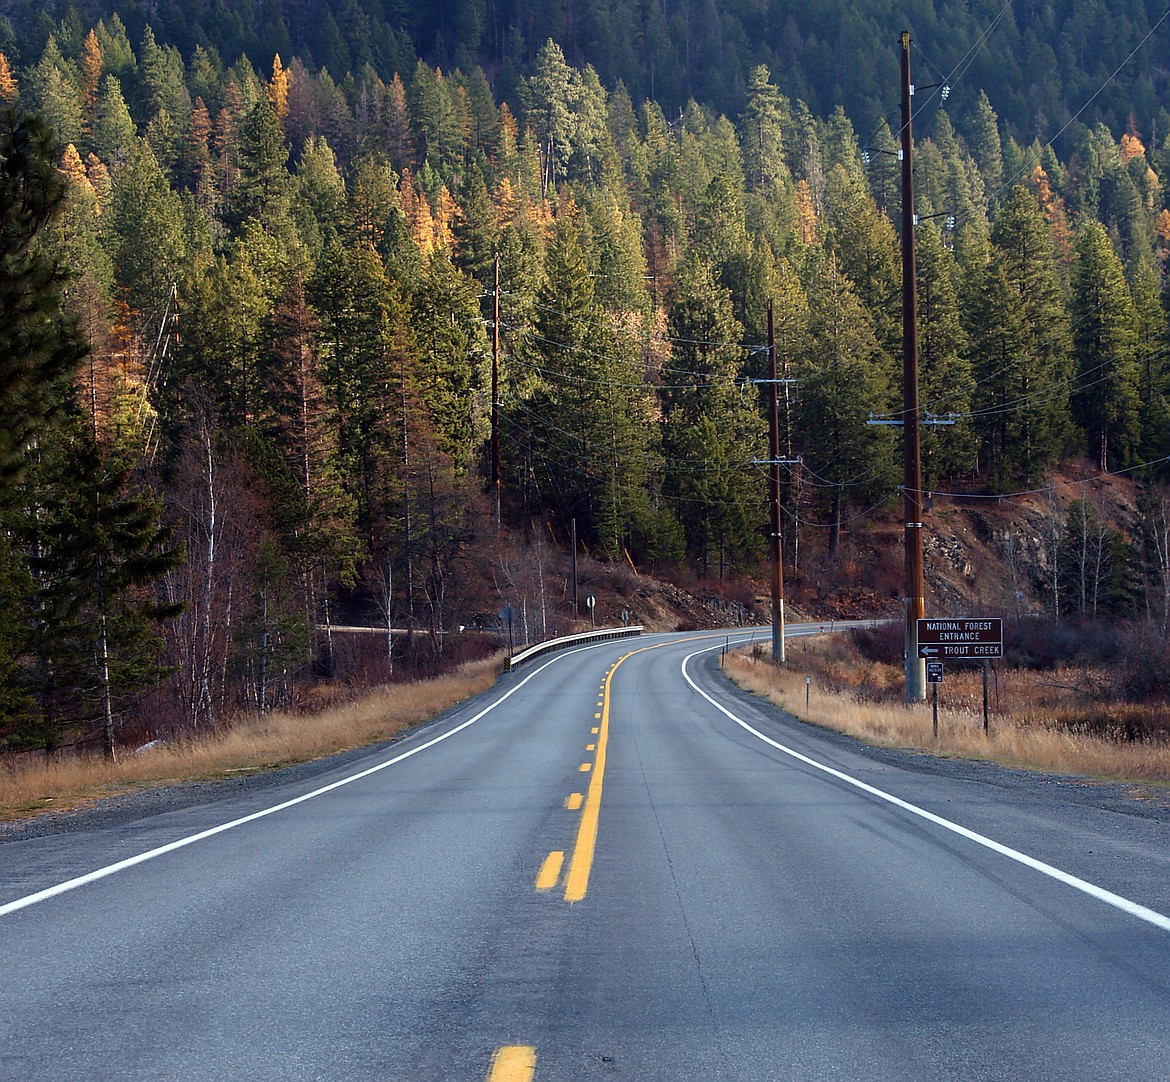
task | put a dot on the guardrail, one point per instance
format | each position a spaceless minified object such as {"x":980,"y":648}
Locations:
{"x":600,"y":635}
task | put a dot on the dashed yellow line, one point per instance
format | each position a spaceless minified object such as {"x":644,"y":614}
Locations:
{"x":513,"y":1063}
{"x":573,"y":801}
{"x":550,"y":870}
{"x":585,"y":768}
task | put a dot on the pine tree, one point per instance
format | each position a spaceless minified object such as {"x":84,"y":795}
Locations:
{"x":40,"y":347}
{"x":1106,"y":403}
{"x":712,"y":429}
{"x":946,"y":384}
{"x":476,"y":234}
{"x":763,"y":132}
{"x":1024,"y":364}
{"x":262,"y":188}
{"x":581,"y":432}
{"x":845,"y":377}
{"x":864,"y":243}
{"x":452,"y":347}
{"x":113,"y":128}
{"x":987,"y":147}
{"x":1154,"y":391}
{"x":49,"y":90}
{"x":360,"y":312}
{"x":551,"y":90}
{"x":99,"y":545}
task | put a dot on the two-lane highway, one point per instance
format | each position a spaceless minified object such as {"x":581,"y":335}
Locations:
{"x":613,"y":865}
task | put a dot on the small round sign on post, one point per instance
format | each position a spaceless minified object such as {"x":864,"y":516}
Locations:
{"x":590,"y":602}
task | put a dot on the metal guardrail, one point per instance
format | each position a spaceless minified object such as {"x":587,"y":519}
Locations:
{"x":600,"y":635}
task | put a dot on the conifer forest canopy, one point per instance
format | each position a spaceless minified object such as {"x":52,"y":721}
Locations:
{"x":249,"y":315}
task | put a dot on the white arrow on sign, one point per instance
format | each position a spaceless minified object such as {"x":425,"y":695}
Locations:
{"x":929,"y":651}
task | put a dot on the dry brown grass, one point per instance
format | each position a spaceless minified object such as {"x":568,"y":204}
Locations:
{"x":248,"y":745}
{"x":1033,"y":721}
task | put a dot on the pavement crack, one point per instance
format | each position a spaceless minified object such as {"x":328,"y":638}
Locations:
{"x":708,"y":999}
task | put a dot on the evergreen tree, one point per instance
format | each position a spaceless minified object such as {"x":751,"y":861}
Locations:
{"x":582,"y":431}
{"x":551,"y":89}
{"x":40,"y":347}
{"x":946,"y":384}
{"x":865,"y":245}
{"x":1106,"y":402}
{"x":99,"y":545}
{"x":844,"y":379}
{"x":145,"y":233}
{"x":1154,"y":391}
{"x":452,"y":348}
{"x":50,"y":90}
{"x":363,"y":357}
{"x":476,"y":234}
{"x":1024,"y":364}
{"x":712,"y":429}
{"x":262,"y":188}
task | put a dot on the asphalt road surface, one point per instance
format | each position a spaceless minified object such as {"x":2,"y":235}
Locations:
{"x":614,"y":865}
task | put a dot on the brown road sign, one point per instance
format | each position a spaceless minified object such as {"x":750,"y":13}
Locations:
{"x":975,"y":637}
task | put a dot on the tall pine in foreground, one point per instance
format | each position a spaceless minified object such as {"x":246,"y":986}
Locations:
{"x":40,"y":347}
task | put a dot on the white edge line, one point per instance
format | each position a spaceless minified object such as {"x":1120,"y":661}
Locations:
{"x":170,"y":847}
{"x":1150,"y":916}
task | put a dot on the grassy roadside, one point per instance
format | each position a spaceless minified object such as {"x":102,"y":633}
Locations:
{"x":1031,"y":736}
{"x":249,"y":745}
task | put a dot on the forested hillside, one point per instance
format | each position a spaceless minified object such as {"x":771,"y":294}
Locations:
{"x":249,"y":320}
{"x":1041,"y":64}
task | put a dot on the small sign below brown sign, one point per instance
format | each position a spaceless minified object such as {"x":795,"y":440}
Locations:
{"x":973,"y":637}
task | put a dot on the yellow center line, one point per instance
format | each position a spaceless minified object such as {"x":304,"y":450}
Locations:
{"x":577,"y":881}
{"x":590,"y":747}
{"x":573,"y":801}
{"x":513,"y":1063}
{"x":585,"y":768}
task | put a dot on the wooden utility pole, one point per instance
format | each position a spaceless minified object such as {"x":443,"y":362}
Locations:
{"x":573,"y":562}
{"x":911,"y":443}
{"x":776,"y":546}
{"x":496,"y":390}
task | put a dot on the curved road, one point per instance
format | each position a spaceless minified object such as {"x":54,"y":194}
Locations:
{"x":614,"y":865}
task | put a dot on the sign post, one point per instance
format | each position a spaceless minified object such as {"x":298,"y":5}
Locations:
{"x":934,"y":675}
{"x":976,"y":638}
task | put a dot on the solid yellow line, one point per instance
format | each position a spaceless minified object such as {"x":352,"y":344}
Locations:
{"x":550,"y":870}
{"x":573,"y":801}
{"x":513,"y":1063}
